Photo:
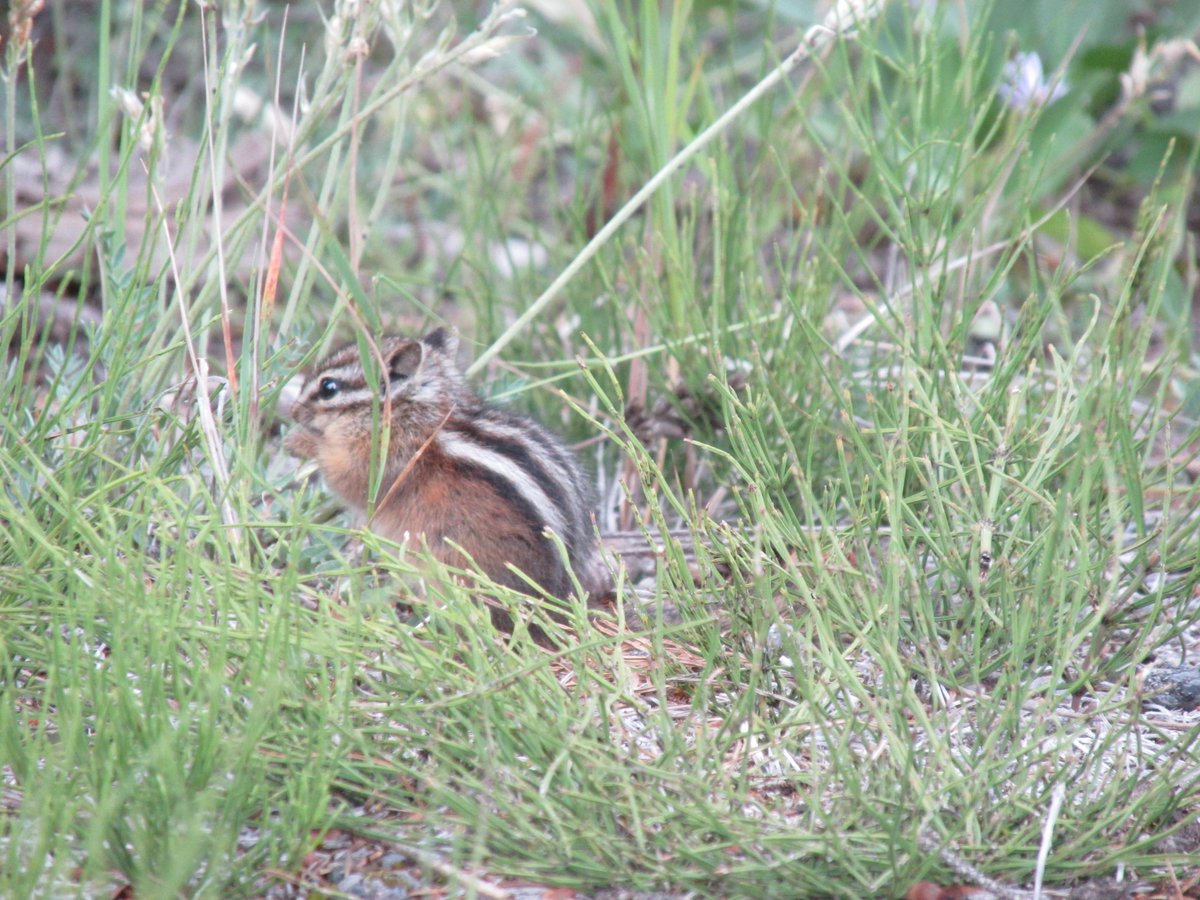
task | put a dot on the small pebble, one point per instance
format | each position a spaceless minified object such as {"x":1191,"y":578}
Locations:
{"x":1174,"y":687}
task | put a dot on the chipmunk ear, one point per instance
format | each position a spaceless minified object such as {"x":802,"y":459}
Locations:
{"x":403,"y":360}
{"x":443,"y":340}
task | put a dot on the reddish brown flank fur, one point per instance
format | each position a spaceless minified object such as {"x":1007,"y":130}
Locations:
{"x":449,"y":504}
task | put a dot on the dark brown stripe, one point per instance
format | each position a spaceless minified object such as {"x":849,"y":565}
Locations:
{"x":504,"y":488}
{"x":520,"y":455}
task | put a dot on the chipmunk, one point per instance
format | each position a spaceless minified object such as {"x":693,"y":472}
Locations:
{"x":456,"y":470}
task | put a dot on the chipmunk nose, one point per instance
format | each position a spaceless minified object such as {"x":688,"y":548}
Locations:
{"x":288,"y":395}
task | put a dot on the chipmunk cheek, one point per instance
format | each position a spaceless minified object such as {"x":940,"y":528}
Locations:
{"x":344,"y":474}
{"x":309,"y":432}
{"x":299,"y":442}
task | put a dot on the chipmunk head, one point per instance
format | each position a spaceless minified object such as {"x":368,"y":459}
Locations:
{"x":338,"y":409}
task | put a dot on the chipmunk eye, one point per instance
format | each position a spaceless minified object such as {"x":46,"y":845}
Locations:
{"x":329,"y":388}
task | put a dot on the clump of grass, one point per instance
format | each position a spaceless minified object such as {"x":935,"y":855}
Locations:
{"x":930,"y":516}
